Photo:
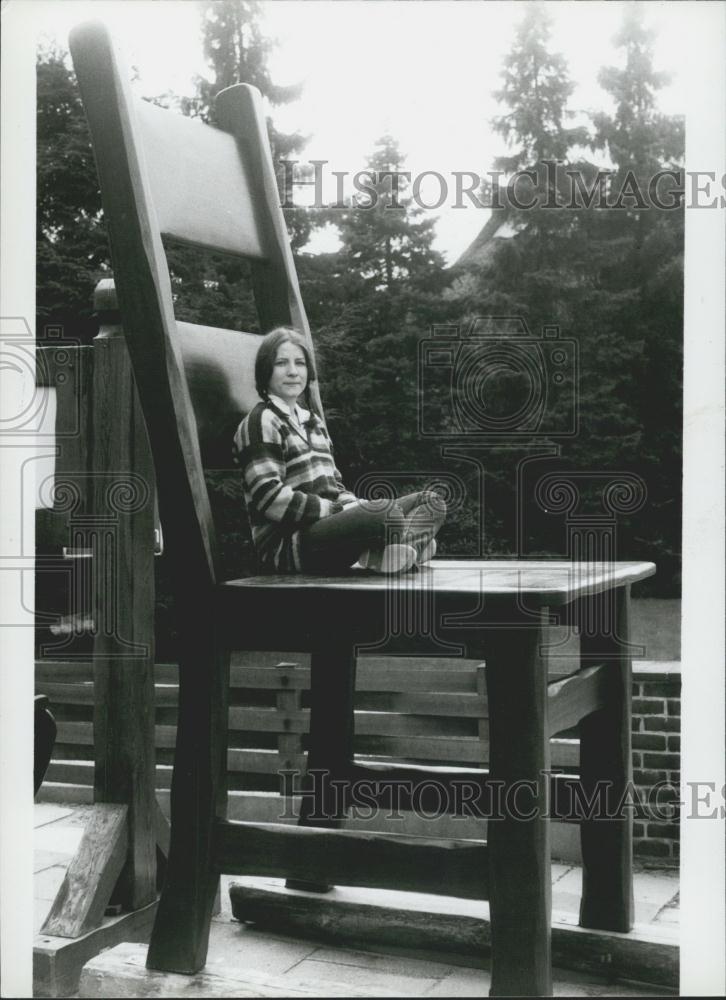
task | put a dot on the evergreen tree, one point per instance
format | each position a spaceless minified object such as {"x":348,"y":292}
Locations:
{"x":535,"y":88}
{"x":637,"y":136}
{"x":386,"y":237}
{"x":534,"y":270}
{"x":609,"y":278}
{"x":644,"y":276}
{"x":528,"y":260}
{"x":237,"y":50}
{"x":71,"y":245}
{"x":378,"y":297}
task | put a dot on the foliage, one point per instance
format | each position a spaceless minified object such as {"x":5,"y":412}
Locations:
{"x":535,"y":125}
{"x":71,"y":245}
{"x":237,"y":50}
{"x":609,"y":278}
{"x":385,"y":282}
{"x":386,"y":239}
{"x":646,"y":285}
{"x":637,"y":136}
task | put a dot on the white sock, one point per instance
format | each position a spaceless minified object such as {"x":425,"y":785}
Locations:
{"x":391,"y":559}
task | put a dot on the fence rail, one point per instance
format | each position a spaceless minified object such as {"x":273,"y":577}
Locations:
{"x":416,"y":711}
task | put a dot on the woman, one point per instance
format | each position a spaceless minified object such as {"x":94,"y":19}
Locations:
{"x":303,"y":518}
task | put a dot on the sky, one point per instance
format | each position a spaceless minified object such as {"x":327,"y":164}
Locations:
{"x":423,"y":71}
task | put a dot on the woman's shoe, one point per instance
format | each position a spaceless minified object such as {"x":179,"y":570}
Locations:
{"x":391,"y":559}
{"x":425,"y":551}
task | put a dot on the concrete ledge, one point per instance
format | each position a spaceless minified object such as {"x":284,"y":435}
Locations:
{"x":657,"y":670}
{"x":121,"y":972}
{"x":445,"y":926}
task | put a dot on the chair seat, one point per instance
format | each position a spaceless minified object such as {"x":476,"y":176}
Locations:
{"x":547,"y":582}
{"x":307,"y":611}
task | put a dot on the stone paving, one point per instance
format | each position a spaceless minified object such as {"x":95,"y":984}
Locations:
{"x":333,"y":970}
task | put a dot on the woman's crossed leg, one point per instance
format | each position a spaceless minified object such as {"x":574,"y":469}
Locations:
{"x":388,"y":537}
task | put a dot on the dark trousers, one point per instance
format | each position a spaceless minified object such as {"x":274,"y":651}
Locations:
{"x":335,"y":543}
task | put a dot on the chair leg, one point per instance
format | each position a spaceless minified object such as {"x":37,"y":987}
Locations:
{"x":330,"y":754}
{"x":180,"y":936}
{"x":606,"y":773}
{"x":518,"y":839}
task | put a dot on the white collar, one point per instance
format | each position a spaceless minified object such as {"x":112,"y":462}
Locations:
{"x":297,"y":413}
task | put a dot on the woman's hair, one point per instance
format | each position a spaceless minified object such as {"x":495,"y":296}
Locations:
{"x":267,"y":352}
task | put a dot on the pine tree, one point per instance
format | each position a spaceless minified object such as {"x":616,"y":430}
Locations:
{"x":383,"y":292}
{"x":535,"y":269}
{"x":386,"y":238}
{"x":536,"y":88}
{"x":236,"y":51}
{"x":528,"y":261}
{"x":637,"y":136}
{"x":609,"y":278}
{"x":644,"y":278}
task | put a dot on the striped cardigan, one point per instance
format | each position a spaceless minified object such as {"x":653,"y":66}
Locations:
{"x":290,"y":482}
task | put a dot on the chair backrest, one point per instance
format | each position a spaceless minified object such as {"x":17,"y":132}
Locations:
{"x":163,"y":174}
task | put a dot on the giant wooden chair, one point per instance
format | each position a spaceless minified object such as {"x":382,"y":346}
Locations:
{"x":165,"y":175}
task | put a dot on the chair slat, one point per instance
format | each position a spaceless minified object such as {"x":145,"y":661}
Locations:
{"x":577,"y":696}
{"x":189,"y":166}
{"x":456,"y":749}
{"x":219,"y":367}
{"x":444,"y":867}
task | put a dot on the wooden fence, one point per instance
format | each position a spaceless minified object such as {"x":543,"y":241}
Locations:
{"x":429,"y":711}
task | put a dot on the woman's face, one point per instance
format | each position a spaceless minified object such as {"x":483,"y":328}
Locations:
{"x":289,"y":373}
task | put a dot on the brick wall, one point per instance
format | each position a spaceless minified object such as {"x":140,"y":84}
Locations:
{"x":657,"y":759}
